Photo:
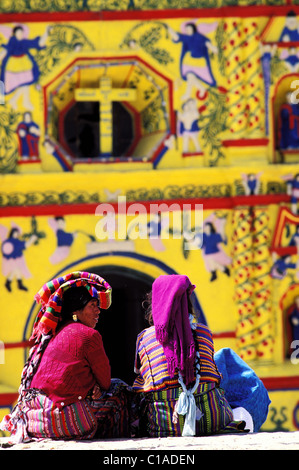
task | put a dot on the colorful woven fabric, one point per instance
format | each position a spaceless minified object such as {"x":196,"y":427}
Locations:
{"x":158,"y":409}
{"x":151,"y":363}
{"x":110,"y":416}
{"x":116,"y":411}
{"x":45,"y":420}
{"x":51,"y":294}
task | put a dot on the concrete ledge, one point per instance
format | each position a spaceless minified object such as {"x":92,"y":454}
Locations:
{"x":254,"y":441}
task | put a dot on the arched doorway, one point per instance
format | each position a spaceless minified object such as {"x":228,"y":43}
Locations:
{"x":121,"y":323}
{"x":131,"y":276}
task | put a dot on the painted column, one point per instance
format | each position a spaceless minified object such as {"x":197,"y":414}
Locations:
{"x":251,"y":271}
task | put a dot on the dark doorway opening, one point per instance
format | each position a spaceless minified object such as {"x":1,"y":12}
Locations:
{"x":121,"y":323}
{"x":82,"y":132}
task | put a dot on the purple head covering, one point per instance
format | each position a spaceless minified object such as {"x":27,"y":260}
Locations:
{"x":172,"y":326}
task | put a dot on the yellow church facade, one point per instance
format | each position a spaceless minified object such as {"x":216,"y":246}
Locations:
{"x":144,"y":138}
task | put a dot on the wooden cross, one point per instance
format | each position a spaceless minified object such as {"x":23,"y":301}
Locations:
{"x":105,"y":95}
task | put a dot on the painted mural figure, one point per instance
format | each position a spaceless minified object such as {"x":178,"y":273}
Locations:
{"x":281,"y":267}
{"x":195,"y":64}
{"x":154,"y":231}
{"x":293,"y":190}
{"x":13,"y":262}
{"x":267,"y":53}
{"x":19,"y":69}
{"x":214,"y":256}
{"x":53,"y":150}
{"x":188,"y":125}
{"x":64,"y":240}
{"x":291,"y":58}
{"x":251,"y":183}
{"x":28,"y":133}
{"x":289,"y":124}
{"x":290,"y":32}
{"x":294,"y":320}
{"x":295,"y":238}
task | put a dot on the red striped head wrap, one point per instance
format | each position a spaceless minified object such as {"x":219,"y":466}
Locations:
{"x":51,"y":294}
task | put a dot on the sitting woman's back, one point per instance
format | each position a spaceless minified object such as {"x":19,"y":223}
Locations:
{"x":178,"y":378}
{"x":151,"y":363}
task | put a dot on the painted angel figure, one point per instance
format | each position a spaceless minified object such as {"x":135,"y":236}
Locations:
{"x":64,"y":240}
{"x":19,"y":68}
{"x":293,"y":190}
{"x":195,"y":64}
{"x":291,"y":58}
{"x":13,"y":261}
{"x":213,"y":238}
{"x":293,"y":319}
{"x":251,"y":183}
{"x":188,"y":125}
{"x":282,"y":265}
{"x":290,"y":32}
{"x":154,"y":230}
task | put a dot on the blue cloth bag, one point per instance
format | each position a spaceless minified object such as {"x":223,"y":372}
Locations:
{"x":242,"y":386}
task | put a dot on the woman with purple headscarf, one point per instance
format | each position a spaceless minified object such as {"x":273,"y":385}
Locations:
{"x":177,"y":373}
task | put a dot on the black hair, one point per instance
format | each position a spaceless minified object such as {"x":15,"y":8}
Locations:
{"x":17,"y":28}
{"x":12,"y":232}
{"x":74,"y":298}
{"x":147,"y":305}
{"x":213,"y":230}
{"x":192,"y":26}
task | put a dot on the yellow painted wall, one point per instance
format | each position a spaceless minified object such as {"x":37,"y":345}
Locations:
{"x":245,"y":310}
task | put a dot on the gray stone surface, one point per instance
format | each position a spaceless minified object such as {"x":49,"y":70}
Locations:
{"x":254,"y":441}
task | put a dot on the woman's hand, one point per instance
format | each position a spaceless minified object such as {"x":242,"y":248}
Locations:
{"x":96,"y":392}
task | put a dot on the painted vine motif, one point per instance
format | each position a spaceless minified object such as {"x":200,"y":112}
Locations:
{"x":146,"y":36}
{"x":243,"y":72}
{"x":8,"y":140}
{"x":62,"y":40}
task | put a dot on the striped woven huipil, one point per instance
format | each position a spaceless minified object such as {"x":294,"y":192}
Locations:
{"x":160,"y":392}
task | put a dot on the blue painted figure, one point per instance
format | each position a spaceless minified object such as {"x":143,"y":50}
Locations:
{"x":214,"y":256}
{"x":292,"y":190}
{"x":195,"y":64}
{"x":290,"y":32}
{"x":19,"y":68}
{"x":294,"y":320}
{"x":28,"y":134}
{"x":281,"y":266}
{"x":13,"y":262}
{"x":64,"y":240}
{"x":289,"y":124}
{"x":295,"y":238}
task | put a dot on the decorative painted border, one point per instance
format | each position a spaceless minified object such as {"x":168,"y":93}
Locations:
{"x":89,"y":208}
{"x":118,"y":15}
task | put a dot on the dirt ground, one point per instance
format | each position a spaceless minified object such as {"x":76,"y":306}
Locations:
{"x":171,"y":445}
